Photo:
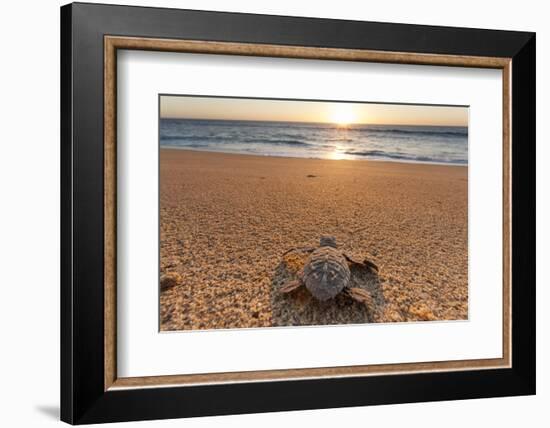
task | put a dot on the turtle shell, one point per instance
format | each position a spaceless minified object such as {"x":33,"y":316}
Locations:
{"x":326,"y":273}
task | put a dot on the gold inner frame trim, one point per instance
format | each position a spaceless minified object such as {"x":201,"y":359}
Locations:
{"x":113,"y":43}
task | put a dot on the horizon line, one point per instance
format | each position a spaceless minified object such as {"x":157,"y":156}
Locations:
{"x":309,"y":122}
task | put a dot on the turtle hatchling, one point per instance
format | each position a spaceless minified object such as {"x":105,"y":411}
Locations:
{"x":326,"y":273}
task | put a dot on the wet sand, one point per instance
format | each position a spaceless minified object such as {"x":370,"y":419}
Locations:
{"x":225,"y":221}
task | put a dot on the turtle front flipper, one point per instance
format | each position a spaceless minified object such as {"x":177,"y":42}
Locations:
{"x":360,"y":295}
{"x":303,"y":249}
{"x":366,"y":264}
{"x":291,"y":285}
{"x":370,"y":265}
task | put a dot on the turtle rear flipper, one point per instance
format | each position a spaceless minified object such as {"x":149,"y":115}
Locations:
{"x":361,"y":296}
{"x":366,"y":264}
{"x":291,"y":285}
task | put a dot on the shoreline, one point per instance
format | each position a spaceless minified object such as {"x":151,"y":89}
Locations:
{"x":314,"y":158}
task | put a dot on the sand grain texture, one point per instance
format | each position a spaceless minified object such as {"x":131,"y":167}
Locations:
{"x":225,"y":221}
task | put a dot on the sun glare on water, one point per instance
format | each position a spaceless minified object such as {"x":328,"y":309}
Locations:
{"x":337,"y":155}
{"x":342,"y":114}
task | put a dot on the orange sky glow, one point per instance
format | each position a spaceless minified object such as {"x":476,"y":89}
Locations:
{"x":340,"y":113}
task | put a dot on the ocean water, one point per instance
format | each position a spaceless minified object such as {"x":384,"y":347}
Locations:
{"x":422,"y":144}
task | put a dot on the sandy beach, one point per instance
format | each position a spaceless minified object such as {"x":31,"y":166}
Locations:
{"x":225,"y":221}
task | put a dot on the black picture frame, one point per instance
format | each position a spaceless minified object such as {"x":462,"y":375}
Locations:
{"x":83,"y":398}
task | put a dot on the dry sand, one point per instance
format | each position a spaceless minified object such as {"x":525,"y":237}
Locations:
{"x":225,"y":221}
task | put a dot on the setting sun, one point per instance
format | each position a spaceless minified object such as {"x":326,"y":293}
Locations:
{"x":342,"y":114}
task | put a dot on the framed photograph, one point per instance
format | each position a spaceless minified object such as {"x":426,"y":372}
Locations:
{"x":266,"y":213}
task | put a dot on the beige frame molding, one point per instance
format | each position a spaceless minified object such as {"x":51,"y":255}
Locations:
{"x":113,"y":43}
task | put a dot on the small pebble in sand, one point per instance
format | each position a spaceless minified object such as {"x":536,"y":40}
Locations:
{"x":422,"y":312}
{"x":169,"y":280}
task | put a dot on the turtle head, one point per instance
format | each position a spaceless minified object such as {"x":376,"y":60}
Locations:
{"x":328,"y":241}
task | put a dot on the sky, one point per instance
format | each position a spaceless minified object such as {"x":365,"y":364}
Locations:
{"x":340,"y":113}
